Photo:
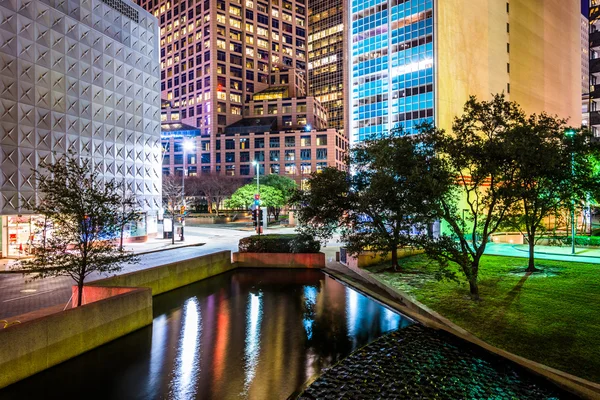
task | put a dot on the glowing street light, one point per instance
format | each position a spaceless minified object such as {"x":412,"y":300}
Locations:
{"x":571,"y":134}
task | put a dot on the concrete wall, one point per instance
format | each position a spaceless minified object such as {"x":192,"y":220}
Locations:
{"x":280,"y":260}
{"x":40,"y":343}
{"x":368,"y":258}
{"x":172,"y":276}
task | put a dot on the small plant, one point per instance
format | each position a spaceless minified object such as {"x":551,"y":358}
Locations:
{"x":279,"y":244}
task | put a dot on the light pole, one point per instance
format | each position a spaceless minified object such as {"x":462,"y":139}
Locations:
{"x":187,"y":145}
{"x":257,"y":197}
{"x":571,"y":133}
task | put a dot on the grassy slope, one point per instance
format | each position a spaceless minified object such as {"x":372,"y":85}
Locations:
{"x":551,"y":318}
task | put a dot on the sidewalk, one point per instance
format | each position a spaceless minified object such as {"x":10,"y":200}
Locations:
{"x":558,"y":253}
{"x":150,"y":246}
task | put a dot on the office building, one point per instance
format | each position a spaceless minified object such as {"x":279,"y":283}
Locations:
{"x":419,"y":60}
{"x":79,"y":76}
{"x":585,"y":70}
{"x":216,"y":54}
{"x":326,"y":57}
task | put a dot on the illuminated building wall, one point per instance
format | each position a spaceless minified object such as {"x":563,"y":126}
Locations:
{"x":83,"y":77}
{"x":326,"y":50}
{"x":216,"y":53}
{"x":418,"y":60}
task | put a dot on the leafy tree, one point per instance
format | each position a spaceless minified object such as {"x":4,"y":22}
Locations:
{"x":82,"y":223}
{"x":390,"y":197}
{"x":244,"y":197}
{"x":551,"y":169}
{"x":215,"y":188}
{"x":172,"y":199}
{"x":477,"y":155}
{"x":286,"y":185}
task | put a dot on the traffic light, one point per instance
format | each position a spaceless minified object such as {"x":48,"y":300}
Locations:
{"x":260,"y":217}
{"x":254,"y":220}
{"x":182,"y":210}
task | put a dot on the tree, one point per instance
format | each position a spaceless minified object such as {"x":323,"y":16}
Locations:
{"x":389,"y":198}
{"x":172,"y":191}
{"x":82,"y":223}
{"x":244,"y":197}
{"x":286,"y":185}
{"x":477,"y":155}
{"x":551,"y":169}
{"x":214,"y":187}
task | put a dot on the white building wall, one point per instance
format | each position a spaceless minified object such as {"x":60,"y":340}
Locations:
{"x":79,"y":76}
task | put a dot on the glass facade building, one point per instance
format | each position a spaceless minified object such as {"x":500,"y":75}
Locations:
{"x":326,"y":57}
{"x":391,"y":66}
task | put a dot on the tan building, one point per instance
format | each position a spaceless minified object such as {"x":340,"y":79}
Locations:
{"x":422,"y":64}
{"x":215,"y":54}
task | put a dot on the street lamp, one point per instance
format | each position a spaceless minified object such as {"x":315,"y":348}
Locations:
{"x":257,"y":196}
{"x":571,"y":133}
{"x":187,"y":145}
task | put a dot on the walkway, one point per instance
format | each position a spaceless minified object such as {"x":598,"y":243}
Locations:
{"x":18,"y":296}
{"x":563,"y":253}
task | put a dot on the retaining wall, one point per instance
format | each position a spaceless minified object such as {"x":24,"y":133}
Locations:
{"x":174,"y":275}
{"x":40,"y":343}
{"x":280,"y":260}
{"x":368,"y":258}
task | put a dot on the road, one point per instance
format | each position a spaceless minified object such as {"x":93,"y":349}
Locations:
{"x":19,"y":295}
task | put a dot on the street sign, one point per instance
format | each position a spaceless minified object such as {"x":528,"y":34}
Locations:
{"x":257,"y":203}
{"x":257,"y":196}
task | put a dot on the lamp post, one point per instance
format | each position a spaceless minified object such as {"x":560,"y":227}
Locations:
{"x":188,"y":145}
{"x":571,"y":133}
{"x":257,"y":197}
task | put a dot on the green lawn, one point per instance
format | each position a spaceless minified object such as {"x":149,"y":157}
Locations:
{"x":552,"y":318}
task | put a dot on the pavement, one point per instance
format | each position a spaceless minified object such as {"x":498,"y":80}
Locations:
{"x":558,"y":253}
{"x":19,"y":294}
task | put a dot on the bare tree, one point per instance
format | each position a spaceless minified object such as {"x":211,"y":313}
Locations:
{"x":172,"y":192}
{"x":82,"y":222}
{"x":214,"y":188}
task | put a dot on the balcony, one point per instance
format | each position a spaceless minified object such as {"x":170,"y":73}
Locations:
{"x":594,"y":39}
{"x":594,"y":118}
{"x":594,"y":65}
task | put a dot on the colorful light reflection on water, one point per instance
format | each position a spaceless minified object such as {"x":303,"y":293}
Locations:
{"x":255,"y":334}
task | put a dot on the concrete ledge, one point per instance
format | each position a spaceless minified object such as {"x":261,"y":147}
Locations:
{"x":55,"y":336}
{"x":174,"y":275}
{"x":368,"y":258}
{"x":280,"y":260}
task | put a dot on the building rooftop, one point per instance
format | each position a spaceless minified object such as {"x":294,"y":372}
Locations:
{"x":249,"y":125}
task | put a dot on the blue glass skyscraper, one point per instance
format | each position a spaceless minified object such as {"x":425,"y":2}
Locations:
{"x":391,"y":66}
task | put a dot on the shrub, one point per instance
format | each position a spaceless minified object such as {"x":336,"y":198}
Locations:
{"x":290,"y":243}
{"x":584,"y":241}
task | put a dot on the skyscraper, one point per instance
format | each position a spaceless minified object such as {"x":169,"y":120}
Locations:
{"x":326,"y":50}
{"x":83,"y":77}
{"x":216,"y":54}
{"x":417,"y":60}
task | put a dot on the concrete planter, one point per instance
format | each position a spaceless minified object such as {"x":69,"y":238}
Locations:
{"x":280,"y":260}
{"x":50,"y":336}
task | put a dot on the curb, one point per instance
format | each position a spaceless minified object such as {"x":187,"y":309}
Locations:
{"x":574,"y":384}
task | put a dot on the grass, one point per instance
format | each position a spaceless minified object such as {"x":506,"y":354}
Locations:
{"x":552,"y":317}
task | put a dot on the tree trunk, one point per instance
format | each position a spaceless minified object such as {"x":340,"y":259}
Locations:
{"x":531,"y":265}
{"x":121,"y":243}
{"x":173,"y":228}
{"x":395,"y":259}
{"x":474,"y":288}
{"x":79,"y":292}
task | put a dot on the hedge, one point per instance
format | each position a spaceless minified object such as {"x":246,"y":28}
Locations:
{"x":273,"y":243}
{"x":584,"y":240}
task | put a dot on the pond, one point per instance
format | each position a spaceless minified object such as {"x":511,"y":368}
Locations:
{"x":246,"y":334}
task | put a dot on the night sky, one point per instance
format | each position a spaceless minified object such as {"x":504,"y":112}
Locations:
{"x":584,"y":7}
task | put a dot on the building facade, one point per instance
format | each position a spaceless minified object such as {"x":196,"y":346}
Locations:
{"x":594,"y":68}
{"x":326,"y":57}
{"x":80,"y":76}
{"x":216,"y":53}
{"x":419,"y":60}
{"x":585,"y":70}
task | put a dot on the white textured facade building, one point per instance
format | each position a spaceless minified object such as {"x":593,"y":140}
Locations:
{"x":80,"y":75}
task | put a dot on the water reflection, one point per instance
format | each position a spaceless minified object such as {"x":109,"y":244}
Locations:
{"x":256,"y":334}
{"x":183,"y":383}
